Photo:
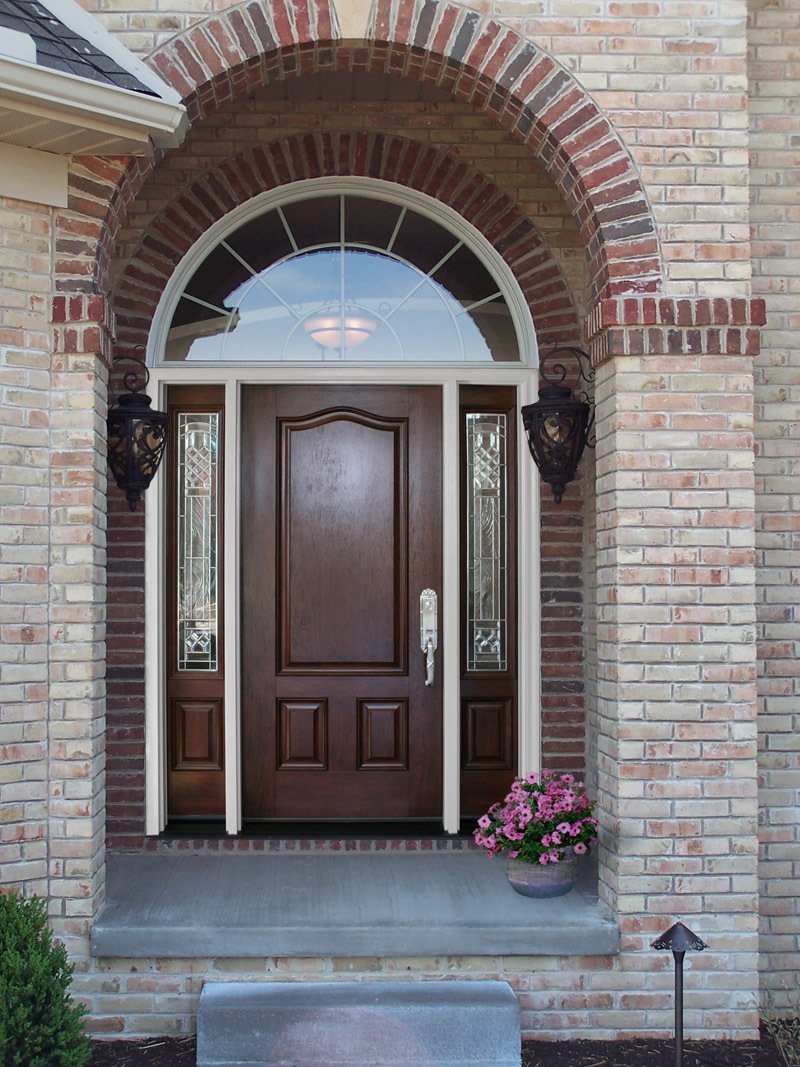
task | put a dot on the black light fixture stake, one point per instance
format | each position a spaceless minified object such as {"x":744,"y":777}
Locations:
{"x":679,"y":938}
{"x":137,"y":434}
{"x":559,"y":425}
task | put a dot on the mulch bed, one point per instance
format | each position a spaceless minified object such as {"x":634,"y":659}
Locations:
{"x":650,"y":1054}
{"x":181,"y":1052}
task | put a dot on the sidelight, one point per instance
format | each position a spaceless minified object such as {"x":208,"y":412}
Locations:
{"x":487,"y":541}
{"x":197,"y":508}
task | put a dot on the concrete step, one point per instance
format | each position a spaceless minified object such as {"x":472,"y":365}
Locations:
{"x":360,"y":1024}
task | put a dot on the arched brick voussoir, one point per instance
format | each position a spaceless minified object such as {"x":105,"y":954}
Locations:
{"x":233,"y":53}
{"x":496,"y":70}
{"x":363,"y":153}
{"x":226,"y":41}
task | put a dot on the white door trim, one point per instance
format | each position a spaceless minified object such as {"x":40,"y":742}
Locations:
{"x":529,"y":610}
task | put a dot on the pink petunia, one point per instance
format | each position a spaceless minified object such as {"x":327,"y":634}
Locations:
{"x":579,"y":848}
{"x":544,"y":858}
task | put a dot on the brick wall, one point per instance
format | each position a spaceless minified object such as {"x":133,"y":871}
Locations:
{"x":53,"y":581}
{"x":775,"y":82}
{"x":587,"y":996}
{"x":76,"y":748}
{"x":24,"y":542}
{"x":644,"y":108}
{"x":671,"y":76}
{"x":675,"y":628}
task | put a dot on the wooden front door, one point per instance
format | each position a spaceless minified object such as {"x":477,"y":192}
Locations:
{"x":341,"y":530}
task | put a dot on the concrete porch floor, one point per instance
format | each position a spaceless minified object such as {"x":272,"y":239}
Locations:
{"x":340,"y":904}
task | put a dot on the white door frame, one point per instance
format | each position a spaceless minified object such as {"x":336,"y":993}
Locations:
{"x":528,"y":571}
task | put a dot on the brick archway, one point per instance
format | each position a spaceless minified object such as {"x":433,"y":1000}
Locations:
{"x":171,"y":233}
{"x":482,"y":63}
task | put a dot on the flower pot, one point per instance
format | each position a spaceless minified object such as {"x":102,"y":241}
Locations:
{"x":543,"y":879}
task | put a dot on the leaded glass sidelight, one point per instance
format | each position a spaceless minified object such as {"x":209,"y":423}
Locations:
{"x":487,"y":541}
{"x":197,"y":540}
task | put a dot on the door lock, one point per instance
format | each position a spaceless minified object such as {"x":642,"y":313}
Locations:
{"x":428,"y":633}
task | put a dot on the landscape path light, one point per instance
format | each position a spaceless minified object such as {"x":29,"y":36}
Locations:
{"x":680,"y":939}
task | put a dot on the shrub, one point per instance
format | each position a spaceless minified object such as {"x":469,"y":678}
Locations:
{"x":784,"y":1029}
{"x":40,"y":1024}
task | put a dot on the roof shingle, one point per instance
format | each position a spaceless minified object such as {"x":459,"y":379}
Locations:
{"x":60,"y":48}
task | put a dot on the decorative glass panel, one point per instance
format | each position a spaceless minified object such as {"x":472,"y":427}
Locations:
{"x":197,"y":541}
{"x":487,"y":542}
{"x":344,"y":278}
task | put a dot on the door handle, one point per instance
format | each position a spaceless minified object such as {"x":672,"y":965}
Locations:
{"x":428,"y":634}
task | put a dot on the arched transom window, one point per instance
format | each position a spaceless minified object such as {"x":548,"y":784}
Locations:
{"x":352,"y":273}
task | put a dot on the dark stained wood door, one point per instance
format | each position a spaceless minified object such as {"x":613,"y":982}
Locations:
{"x":341,"y":531}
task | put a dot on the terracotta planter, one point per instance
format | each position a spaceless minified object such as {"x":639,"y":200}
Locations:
{"x":543,"y":879}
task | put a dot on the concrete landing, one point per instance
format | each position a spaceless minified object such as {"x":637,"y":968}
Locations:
{"x":339,"y":904}
{"x":371,"y":1024}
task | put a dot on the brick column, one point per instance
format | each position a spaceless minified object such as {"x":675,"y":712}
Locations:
{"x":676,"y":708}
{"x":76,"y":767}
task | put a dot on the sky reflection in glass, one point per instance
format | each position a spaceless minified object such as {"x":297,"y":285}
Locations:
{"x":417,"y":318}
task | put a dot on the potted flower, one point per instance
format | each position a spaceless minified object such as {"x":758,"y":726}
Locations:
{"x":543,"y":824}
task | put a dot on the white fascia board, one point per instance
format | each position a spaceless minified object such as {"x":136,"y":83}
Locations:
{"x":58,"y":96}
{"x":88,"y":27}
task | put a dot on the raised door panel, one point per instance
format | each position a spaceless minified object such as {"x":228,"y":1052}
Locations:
{"x":383,"y":735}
{"x":302,"y":735}
{"x":197,"y":740}
{"x":488,"y":735}
{"x":342,"y":549}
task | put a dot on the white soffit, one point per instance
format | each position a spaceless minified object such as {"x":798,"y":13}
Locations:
{"x":38,"y":177}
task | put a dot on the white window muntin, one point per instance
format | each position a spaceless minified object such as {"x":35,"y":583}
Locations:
{"x":362,"y":187}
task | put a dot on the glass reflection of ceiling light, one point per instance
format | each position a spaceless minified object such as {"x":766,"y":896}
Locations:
{"x":335,"y":331}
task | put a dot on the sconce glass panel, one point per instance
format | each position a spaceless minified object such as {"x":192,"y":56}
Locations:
{"x":198,"y":505}
{"x":487,"y":542}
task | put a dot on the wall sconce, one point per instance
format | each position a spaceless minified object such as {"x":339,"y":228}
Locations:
{"x":559,"y":425}
{"x":137,"y":435}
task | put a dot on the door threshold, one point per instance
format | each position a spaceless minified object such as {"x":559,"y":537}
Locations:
{"x":345,"y":829}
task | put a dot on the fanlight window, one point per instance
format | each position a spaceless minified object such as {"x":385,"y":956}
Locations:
{"x":342,"y":277}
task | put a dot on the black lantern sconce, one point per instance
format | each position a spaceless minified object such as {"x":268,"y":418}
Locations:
{"x":680,"y":939}
{"x":559,"y":425}
{"x":137,"y":435}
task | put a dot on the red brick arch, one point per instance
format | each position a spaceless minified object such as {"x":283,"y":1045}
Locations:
{"x":391,"y":158}
{"x":480,"y":61}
